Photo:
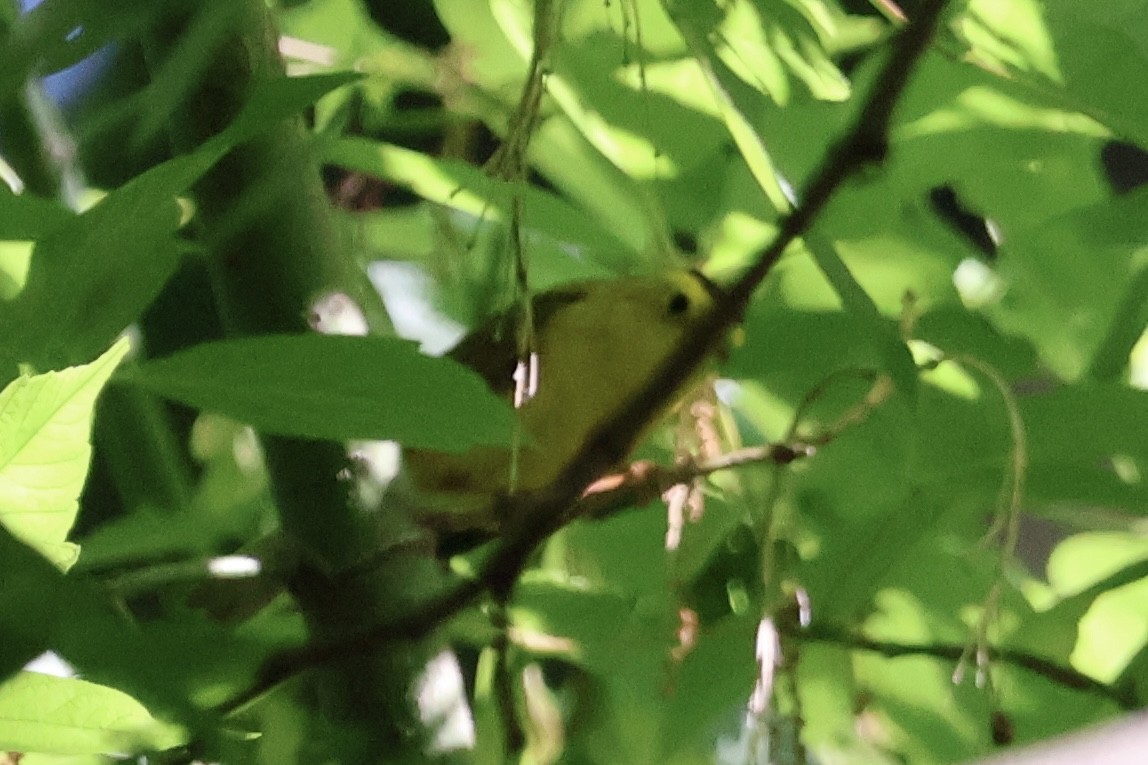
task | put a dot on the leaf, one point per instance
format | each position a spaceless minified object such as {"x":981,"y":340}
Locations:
{"x":57,"y":715}
{"x":1080,"y":263}
{"x":97,"y":272}
{"x":53,"y":36}
{"x":45,"y":427}
{"x":171,"y":666}
{"x":881,"y":335}
{"x":461,"y":186}
{"x":586,"y":619}
{"x":30,"y":604}
{"x":335,"y":387}
{"x":94,"y":274}
{"x":729,"y":94}
{"x":26,"y":216}
{"x":1087,"y":56}
{"x":283,"y":97}
{"x":711,"y":683}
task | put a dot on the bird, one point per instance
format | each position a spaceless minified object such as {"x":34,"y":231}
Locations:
{"x":594,"y":345}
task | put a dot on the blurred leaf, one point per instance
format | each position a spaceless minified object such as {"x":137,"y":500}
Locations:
{"x":44,"y":451}
{"x":1087,"y":423}
{"x":56,"y":715}
{"x":1074,"y":265}
{"x":281,"y":98}
{"x":588,"y":619}
{"x":335,"y":387}
{"x":94,"y":274}
{"x":55,"y":35}
{"x":958,"y":332}
{"x":171,"y":666}
{"x":551,"y":224}
{"x":1055,"y":45}
{"x":30,"y":604}
{"x":885,"y":339}
{"x":693,"y":22}
{"x":97,"y":272}
{"x":711,"y":685}
{"x":24,"y":216}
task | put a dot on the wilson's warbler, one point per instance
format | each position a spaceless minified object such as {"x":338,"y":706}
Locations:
{"x":596,"y":344}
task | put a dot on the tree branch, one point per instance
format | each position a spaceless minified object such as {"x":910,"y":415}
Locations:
{"x":1059,"y":674}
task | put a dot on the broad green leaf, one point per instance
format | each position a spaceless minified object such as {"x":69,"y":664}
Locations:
{"x":792,"y":352}
{"x":92,"y":276}
{"x":711,"y":686}
{"x":662,"y":137}
{"x":576,"y":167}
{"x":171,"y":666}
{"x":1079,"y":263}
{"x":1087,"y":423}
{"x":45,"y":427}
{"x":957,"y":332}
{"x":30,"y":604}
{"x":24,"y":216}
{"x":281,"y":98}
{"x":1113,"y":569}
{"x":56,"y":715}
{"x":1056,"y":46}
{"x":546,"y":217}
{"x":586,"y":619}
{"x":15,"y":258}
{"x":731,"y":105}
{"x":335,"y":387}
{"x":342,"y":26}
{"x":885,"y":339}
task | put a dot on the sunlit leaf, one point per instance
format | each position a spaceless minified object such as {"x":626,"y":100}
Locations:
{"x":45,"y":431}
{"x":57,"y":715}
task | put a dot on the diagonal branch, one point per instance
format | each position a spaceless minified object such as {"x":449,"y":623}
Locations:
{"x":544,"y":512}
{"x":1065,"y":676}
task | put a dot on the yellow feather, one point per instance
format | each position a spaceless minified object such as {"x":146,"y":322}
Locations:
{"x":597,"y":343}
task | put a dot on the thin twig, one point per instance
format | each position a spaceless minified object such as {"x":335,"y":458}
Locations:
{"x":1006,"y":523}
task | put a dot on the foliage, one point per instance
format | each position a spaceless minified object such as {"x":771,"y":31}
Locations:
{"x":947,"y":555}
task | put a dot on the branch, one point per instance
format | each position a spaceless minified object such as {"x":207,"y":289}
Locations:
{"x":541,"y":513}
{"x":864,"y":144}
{"x":1059,"y":674}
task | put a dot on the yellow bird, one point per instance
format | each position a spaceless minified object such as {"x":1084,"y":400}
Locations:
{"x":596,"y":344}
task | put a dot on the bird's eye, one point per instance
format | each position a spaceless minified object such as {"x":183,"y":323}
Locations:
{"x":679,"y":304}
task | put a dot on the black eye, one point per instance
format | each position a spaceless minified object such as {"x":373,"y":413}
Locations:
{"x":679,"y":304}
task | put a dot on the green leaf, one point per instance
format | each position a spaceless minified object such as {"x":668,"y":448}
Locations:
{"x":25,"y":216}
{"x":335,"y":387}
{"x":587,"y":618}
{"x":169,"y":665}
{"x":277,"y":99}
{"x":792,"y":352}
{"x":694,"y":21}
{"x":55,"y":35}
{"x":1086,"y":55}
{"x":712,"y":684}
{"x":45,"y":427}
{"x":92,"y":276}
{"x":56,"y":715}
{"x":30,"y":604}
{"x":894,"y":354}
{"x":1079,"y":263}
{"x":464,"y":187}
